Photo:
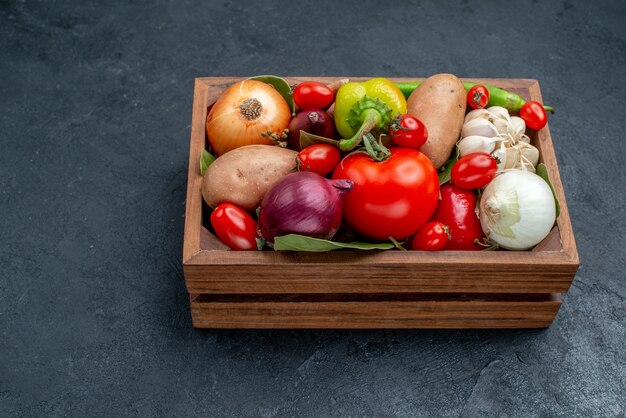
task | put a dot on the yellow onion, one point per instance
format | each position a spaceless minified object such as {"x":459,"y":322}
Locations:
{"x":248,"y":112}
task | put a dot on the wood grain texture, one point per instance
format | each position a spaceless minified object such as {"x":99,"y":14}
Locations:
{"x":426,"y":312}
{"x":382,"y":271}
{"x":193,"y":208}
{"x":212,"y":270}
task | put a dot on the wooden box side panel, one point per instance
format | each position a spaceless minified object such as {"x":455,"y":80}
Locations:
{"x":193,"y":208}
{"x":450,"y":312}
{"x":548,"y":157}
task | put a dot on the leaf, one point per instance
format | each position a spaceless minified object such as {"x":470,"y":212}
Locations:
{"x":444,"y":176}
{"x":281,"y":86}
{"x":542,"y":171}
{"x":295,"y":242}
{"x":307,"y":139}
{"x":206,"y":159}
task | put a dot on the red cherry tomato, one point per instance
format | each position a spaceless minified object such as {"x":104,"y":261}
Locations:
{"x":457,"y":210}
{"x":534,"y":115}
{"x":313,"y":95}
{"x":234,"y":227}
{"x":408,"y":131}
{"x":391,"y":198}
{"x":474,"y":170}
{"x":318,"y":158}
{"x":431,"y":237}
{"x":478,"y":96}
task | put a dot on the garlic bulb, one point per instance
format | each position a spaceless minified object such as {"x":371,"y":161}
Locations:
{"x":498,"y":112}
{"x":479,"y":127}
{"x":521,"y":156}
{"x":507,"y":157}
{"x":493,"y":125}
{"x":476,"y":143}
{"x":493,"y":130}
{"x":530,"y":155}
{"x":517,"y":210}
{"x":517,"y":128}
{"x":477,"y":114}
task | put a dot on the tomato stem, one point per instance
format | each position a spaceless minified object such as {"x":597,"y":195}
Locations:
{"x":376,"y":150}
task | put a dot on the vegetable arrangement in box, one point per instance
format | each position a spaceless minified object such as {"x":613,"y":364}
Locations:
{"x":432,"y":165}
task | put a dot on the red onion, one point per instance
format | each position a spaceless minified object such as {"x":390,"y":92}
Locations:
{"x":313,"y":121}
{"x":302,"y":203}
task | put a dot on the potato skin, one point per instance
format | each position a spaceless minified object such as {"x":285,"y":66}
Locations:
{"x":439,"y":102}
{"x":243,"y":176}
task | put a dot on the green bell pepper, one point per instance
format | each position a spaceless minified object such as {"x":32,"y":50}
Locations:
{"x":361,"y":108}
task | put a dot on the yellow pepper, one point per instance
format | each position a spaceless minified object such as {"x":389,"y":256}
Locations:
{"x":361,"y":108}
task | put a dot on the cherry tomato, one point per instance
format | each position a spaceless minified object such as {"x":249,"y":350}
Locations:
{"x":534,"y":115}
{"x":318,"y":158}
{"x":313,"y":95}
{"x":234,"y":227}
{"x":478,"y":96}
{"x":457,"y":210}
{"x":408,"y":131}
{"x":391,"y":198}
{"x":431,"y":237}
{"x":474,"y":170}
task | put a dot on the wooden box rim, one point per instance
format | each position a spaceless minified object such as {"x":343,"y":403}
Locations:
{"x":201,"y":248}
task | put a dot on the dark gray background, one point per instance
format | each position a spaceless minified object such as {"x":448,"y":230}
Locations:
{"x":95,"y":110}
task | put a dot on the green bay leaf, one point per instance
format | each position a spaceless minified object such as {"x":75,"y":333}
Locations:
{"x":542,"y":171}
{"x":444,"y":176}
{"x":206,"y":159}
{"x":307,"y":139}
{"x":295,"y":242}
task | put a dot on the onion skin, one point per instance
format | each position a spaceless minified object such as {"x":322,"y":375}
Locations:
{"x":302,"y":203}
{"x":314,"y":121}
{"x":244,"y":111}
{"x":517,"y":210}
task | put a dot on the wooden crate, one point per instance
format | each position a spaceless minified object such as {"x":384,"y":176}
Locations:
{"x":383,"y":289}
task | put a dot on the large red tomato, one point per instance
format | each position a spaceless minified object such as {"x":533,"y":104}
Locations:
{"x":391,"y":198}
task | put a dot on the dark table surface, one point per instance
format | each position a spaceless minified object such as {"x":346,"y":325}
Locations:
{"x":95,"y":110}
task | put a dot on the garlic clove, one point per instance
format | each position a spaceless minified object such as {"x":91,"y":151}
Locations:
{"x":479,"y":127}
{"x":507,"y":157}
{"x":500,"y":155}
{"x":527,"y":166}
{"x":476,"y":143}
{"x":502,"y":125}
{"x":498,"y":112}
{"x":518,"y":126}
{"x":529,"y":153}
{"x":513,"y":157}
{"x":477,"y":114}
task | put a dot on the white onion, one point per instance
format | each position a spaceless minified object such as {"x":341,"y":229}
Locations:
{"x":517,"y":210}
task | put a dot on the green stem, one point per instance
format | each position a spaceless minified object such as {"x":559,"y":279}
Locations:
{"x":377,"y":151}
{"x":370,"y":120}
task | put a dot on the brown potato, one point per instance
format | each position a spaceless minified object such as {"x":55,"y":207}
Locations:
{"x":243,"y":176}
{"x":439,"y":102}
